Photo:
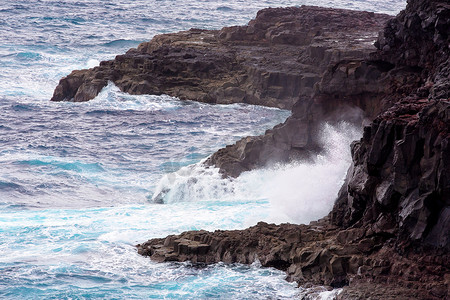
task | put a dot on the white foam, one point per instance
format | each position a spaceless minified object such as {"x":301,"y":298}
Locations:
{"x":318,"y":293}
{"x":193,"y":183}
{"x":92,"y":63}
{"x":305,"y":191}
{"x":300,"y":192}
{"x":111,"y":97}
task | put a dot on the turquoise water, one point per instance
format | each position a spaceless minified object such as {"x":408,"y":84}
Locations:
{"x":77,"y":179}
{"x":89,"y":253}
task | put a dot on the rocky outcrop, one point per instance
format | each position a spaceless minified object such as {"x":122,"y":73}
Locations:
{"x":280,"y":59}
{"x":273,"y":61}
{"x":320,"y":254}
{"x":351,"y":87}
{"x":412,"y":58}
{"x":399,"y":179}
{"x":387,"y":236}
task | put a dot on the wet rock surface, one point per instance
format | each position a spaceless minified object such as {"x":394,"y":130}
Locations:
{"x":411,"y":61}
{"x":387,"y":236}
{"x":400,"y":177}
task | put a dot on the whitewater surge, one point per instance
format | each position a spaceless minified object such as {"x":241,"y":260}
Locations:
{"x":306,"y":191}
{"x":75,"y":179}
{"x":300,"y":192}
{"x":113,"y":149}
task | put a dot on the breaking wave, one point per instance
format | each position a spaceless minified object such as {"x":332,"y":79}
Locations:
{"x":298,"y":192}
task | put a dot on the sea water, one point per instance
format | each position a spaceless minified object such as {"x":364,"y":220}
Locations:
{"x":77,"y":179}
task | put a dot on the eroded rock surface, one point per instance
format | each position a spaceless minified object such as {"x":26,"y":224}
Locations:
{"x":400,"y":177}
{"x":411,"y":61}
{"x":273,"y":61}
{"x":320,"y":254}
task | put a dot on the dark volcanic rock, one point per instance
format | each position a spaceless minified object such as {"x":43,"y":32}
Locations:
{"x":318,"y":253}
{"x":274,"y":60}
{"x":412,"y":59}
{"x":349,"y":86}
{"x":400,"y":178}
{"x":280,"y":59}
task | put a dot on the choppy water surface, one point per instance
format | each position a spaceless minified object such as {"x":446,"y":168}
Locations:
{"x":77,"y":179}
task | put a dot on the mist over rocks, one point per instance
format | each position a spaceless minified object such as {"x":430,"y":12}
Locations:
{"x":410,"y":60}
{"x":280,"y":59}
{"x":400,"y":177}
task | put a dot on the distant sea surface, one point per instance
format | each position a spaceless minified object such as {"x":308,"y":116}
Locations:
{"x":77,"y":179}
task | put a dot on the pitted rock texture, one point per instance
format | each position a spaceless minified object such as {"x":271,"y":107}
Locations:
{"x":400,"y":177}
{"x":418,"y":38}
{"x":274,"y":61}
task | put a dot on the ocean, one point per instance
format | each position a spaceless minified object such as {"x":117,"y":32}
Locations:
{"x":77,"y":180}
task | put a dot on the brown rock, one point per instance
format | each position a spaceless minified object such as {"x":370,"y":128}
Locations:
{"x":266,"y":62}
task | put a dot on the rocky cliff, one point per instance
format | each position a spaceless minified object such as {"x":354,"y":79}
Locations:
{"x":273,"y":61}
{"x":411,"y":59}
{"x":400,"y":177}
{"x":388,"y":235}
{"x":280,"y":59}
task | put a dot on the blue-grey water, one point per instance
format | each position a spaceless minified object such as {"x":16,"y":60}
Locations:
{"x":77,"y":179}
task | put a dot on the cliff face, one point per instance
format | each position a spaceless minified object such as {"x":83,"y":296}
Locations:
{"x":388,"y":235}
{"x":412,"y":58}
{"x":280,"y":59}
{"x":400,"y":180}
{"x":418,"y":39}
{"x":349,"y":84}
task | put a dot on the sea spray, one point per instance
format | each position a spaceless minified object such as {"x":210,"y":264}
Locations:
{"x":193,"y":183}
{"x":299,"y":192}
{"x":111,"y":150}
{"x":111,"y":98}
{"x":305,"y":191}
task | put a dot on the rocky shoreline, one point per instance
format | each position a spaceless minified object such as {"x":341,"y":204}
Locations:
{"x":388,"y":235}
{"x":320,"y":253}
{"x":273,"y":61}
{"x":280,"y":59}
